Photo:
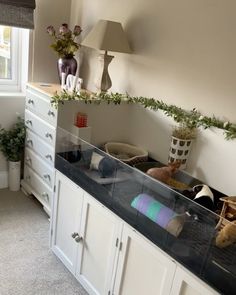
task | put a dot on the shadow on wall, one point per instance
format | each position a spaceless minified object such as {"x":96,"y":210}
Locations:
{"x":150,"y":130}
{"x":142,"y":32}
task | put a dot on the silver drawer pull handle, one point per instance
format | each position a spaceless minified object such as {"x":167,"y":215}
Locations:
{"x":47,"y":176}
{"x":74,"y":235}
{"x":48,"y":157}
{"x":30,"y":101}
{"x":29,"y":122}
{"x":51,"y":113}
{"x":48,"y":135}
{"x":29,"y":141}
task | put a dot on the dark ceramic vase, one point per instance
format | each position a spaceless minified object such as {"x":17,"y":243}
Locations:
{"x":67,"y":65}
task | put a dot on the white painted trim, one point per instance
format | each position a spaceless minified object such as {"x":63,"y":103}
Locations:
{"x":3,"y":179}
{"x":19,"y":60}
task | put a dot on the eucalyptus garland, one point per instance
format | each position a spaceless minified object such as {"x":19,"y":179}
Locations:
{"x":191,"y":119}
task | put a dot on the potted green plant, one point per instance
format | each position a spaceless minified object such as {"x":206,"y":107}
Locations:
{"x":12,"y":144}
{"x":181,"y":142}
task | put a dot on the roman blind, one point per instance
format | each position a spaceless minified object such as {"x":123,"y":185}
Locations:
{"x":17,"y":13}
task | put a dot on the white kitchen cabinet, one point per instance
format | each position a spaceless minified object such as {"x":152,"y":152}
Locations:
{"x":186,"y":283}
{"x":106,"y":255}
{"x":98,"y":250}
{"x":67,"y":206}
{"x":142,"y":268}
{"x":92,"y":253}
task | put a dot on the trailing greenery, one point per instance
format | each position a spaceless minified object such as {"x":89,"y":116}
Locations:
{"x":12,"y":141}
{"x":189,"y":119}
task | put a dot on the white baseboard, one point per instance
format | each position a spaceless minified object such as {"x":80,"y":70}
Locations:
{"x":3,"y":179}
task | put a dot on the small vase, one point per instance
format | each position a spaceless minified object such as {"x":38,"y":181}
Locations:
{"x":14,"y":175}
{"x":179,"y":151}
{"x":67,"y":65}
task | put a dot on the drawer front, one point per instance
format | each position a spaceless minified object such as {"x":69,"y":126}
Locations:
{"x":46,"y":151}
{"x":44,"y":193}
{"x":42,"y":128}
{"x":40,"y":105}
{"x":38,"y":165}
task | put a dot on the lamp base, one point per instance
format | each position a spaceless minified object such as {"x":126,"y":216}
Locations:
{"x":103,"y":80}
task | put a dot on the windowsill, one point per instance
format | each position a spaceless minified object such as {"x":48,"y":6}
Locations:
{"x":12,"y":94}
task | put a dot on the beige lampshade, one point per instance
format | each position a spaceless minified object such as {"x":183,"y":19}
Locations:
{"x":107,"y":35}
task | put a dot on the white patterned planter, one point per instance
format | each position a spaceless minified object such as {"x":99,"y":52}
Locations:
{"x":14,"y":175}
{"x":179,"y":151}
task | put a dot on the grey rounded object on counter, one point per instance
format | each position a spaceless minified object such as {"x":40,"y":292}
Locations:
{"x":106,"y":167}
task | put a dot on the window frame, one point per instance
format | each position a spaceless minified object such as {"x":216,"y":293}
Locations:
{"x":19,"y":56}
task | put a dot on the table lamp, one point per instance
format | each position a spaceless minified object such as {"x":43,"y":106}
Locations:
{"x":109,"y":36}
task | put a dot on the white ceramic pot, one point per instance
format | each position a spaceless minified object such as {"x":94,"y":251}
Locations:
{"x":180,"y":150}
{"x":14,"y":175}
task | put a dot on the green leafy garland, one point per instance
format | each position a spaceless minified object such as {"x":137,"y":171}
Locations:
{"x":191,"y":119}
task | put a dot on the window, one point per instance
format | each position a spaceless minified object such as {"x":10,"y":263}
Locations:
{"x":12,"y":41}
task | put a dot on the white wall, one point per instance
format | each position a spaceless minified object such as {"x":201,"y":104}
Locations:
{"x":183,"y":53}
{"x":42,"y":65}
{"x":44,"y":59}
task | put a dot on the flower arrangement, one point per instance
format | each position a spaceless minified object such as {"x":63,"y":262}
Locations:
{"x":12,"y":141}
{"x":64,"y":41}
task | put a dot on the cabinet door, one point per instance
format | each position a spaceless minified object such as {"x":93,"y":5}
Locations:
{"x":67,"y":208}
{"x":142,"y":268}
{"x":98,"y":250}
{"x":187,"y":284}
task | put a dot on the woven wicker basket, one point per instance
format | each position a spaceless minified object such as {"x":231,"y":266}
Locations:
{"x":127,"y":153}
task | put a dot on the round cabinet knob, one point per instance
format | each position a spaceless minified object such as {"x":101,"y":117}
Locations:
{"x":29,"y":141}
{"x":51,"y":113}
{"x":47,"y":176}
{"x":28,"y":160}
{"x":78,"y":239}
{"x":29,"y":122}
{"x":45,"y":196}
{"x":48,"y":135}
{"x":74,"y":235}
{"x":30,"y":101}
{"x":48,"y":156}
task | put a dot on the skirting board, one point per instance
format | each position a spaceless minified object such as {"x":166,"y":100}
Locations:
{"x":3,"y":179}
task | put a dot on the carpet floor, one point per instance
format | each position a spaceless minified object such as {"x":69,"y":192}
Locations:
{"x":27,"y":265}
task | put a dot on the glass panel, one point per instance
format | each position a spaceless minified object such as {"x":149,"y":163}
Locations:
{"x":5,"y":52}
{"x":196,"y":237}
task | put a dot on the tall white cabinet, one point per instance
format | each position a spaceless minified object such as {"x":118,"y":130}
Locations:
{"x":108,"y":256}
{"x":42,"y":120}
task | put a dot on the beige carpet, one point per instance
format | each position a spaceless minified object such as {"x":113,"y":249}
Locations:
{"x":27,"y":265}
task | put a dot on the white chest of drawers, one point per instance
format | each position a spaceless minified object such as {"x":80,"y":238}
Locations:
{"x":42,"y":120}
{"x":41,"y":123}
